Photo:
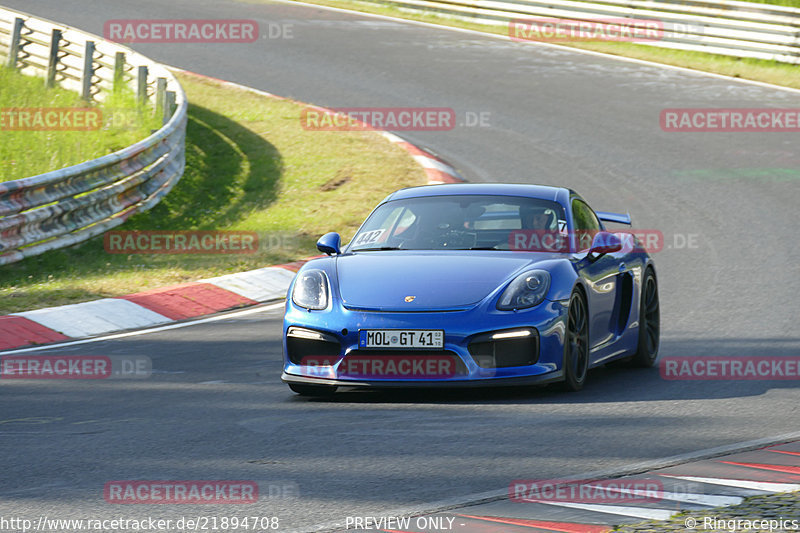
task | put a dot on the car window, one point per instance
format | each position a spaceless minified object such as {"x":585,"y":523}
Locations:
{"x":498,"y":216}
{"x":455,"y":222}
{"x":585,"y":223}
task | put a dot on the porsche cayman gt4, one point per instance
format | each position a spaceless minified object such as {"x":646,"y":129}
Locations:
{"x":471,"y":285}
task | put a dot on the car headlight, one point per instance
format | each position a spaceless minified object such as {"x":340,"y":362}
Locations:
{"x":311,"y":290}
{"x":527,"y":289}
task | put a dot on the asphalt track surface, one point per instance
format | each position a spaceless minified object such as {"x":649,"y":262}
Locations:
{"x":216,"y":409}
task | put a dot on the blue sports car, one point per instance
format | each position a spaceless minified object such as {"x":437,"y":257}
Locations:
{"x":471,"y":285}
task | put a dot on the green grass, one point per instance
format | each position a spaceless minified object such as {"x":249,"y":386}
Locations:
{"x":250,"y":166}
{"x":61,"y":148}
{"x":780,"y":506}
{"x":789,"y":3}
{"x":753,"y":69}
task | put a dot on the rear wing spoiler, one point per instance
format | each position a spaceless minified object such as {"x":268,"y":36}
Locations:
{"x":614,"y":217}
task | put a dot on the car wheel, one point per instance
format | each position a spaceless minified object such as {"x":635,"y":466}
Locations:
{"x":576,"y":343}
{"x":649,"y":322}
{"x":312,"y":390}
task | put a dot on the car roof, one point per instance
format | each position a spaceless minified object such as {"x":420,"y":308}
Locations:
{"x":544,"y":192}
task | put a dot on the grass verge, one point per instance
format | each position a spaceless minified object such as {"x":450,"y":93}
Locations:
{"x":250,"y":167}
{"x":767,"y":513}
{"x":784,"y":74}
{"x":787,"y":3}
{"x":27,"y":96}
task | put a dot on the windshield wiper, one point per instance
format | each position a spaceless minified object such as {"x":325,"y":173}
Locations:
{"x":379,"y":248}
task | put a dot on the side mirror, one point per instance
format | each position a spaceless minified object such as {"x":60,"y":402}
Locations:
{"x":330,"y":243}
{"x":605,"y":243}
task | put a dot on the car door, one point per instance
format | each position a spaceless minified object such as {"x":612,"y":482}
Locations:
{"x":601,"y":275}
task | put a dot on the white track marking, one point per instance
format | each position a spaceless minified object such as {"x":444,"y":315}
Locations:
{"x":429,"y":162}
{"x":178,"y":325}
{"x":95,"y":318}
{"x":259,"y":285}
{"x":646,"y":513}
{"x":765,"y":486}
{"x":711,"y":500}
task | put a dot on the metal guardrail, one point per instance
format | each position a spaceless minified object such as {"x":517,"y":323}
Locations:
{"x":727,"y":27}
{"x":73,"y":204}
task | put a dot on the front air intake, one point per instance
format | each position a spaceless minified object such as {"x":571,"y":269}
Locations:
{"x":304,"y":344}
{"x":506,"y":348}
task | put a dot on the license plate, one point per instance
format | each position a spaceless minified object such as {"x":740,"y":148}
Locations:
{"x":414,"y":339}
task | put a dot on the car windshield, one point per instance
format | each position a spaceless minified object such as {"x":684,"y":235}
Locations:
{"x":463,"y":222}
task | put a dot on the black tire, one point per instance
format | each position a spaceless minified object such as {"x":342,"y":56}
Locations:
{"x":312,"y":390}
{"x":576,"y":343}
{"x":649,"y":322}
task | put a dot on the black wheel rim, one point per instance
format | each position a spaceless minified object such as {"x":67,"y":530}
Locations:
{"x":578,"y":339}
{"x":652,"y":323}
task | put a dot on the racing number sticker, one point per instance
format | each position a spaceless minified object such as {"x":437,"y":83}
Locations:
{"x":369,"y":237}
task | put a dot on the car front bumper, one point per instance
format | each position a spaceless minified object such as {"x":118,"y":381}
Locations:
{"x":466,"y":334}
